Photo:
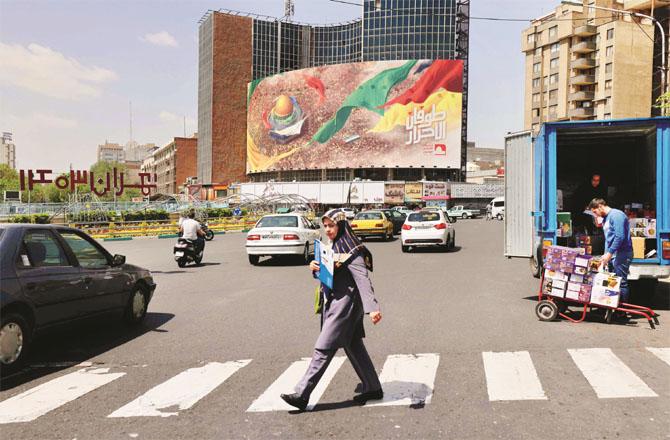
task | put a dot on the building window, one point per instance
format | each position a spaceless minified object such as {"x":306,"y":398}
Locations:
{"x":553,"y":64}
{"x":553,"y":79}
{"x":553,"y":94}
{"x":536,"y":112}
{"x":538,"y":51}
{"x":587,"y":104}
{"x":553,"y":31}
{"x":609,"y":51}
{"x":536,"y":97}
{"x":536,"y":67}
{"x":545,"y":81}
{"x":610,"y":33}
{"x":530,"y":38}
{"x":545,"y":97}
{"x":552,"y":110}
{"x":555,"y":47}
{"x":536,"y":82}
{"x":608,"y":68}
{"x":608,"y":84}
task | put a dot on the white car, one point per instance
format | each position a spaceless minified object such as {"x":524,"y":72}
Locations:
{"x":282,"y":234}
{"x":349,"y":213}
{"x":427,"y":228}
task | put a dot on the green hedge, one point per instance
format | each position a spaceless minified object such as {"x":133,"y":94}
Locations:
{"x":222,"y":212}
{"x":149,"y":214}
{"x":41,"y":219}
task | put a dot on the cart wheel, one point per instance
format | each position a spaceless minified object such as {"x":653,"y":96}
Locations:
{"x":546,"y":310}
{"x":609,"y":315}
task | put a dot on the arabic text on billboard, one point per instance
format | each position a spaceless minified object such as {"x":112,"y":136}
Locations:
{"x":370,"y":114}
{"x":413,"y":191}
{"x":394,"y":193}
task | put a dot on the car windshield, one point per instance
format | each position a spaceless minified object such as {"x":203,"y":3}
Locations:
{"x":278,"y":222}
{"x":424,"y":217}
{"x":369,"y":216}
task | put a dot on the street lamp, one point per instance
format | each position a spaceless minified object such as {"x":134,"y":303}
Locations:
{"x":664,"y":73}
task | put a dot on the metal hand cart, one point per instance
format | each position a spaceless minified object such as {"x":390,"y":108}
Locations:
{"x":550,"y":307}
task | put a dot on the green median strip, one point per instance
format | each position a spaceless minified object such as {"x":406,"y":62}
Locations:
{"x":168,"y":236}
{"x":117,"y":238}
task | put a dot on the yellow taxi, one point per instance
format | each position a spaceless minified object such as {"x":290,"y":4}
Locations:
{"x":372,"y":224}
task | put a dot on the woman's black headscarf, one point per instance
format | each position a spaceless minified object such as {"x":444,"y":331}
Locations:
{"x":346,"y":241}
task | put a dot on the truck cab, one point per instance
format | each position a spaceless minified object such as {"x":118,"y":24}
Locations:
{"x":547,"y":177}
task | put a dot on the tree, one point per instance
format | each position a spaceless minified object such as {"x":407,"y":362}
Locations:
{"x":663,"y":102}
{"x":9,"y":179}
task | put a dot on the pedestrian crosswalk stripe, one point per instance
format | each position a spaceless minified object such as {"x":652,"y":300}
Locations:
{"x":608,"y":375}
{"x":270,"y":400}
{"x":408,"y":379}
{"x":511,"y":376}
{"x":181,"y":391}
{"x":41,"y":399}
{"x":661,"y":353}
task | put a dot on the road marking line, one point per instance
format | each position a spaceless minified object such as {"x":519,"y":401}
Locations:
{"x":408,"y":379}
{"x":511,"y":376}
{"x":661,"y":353}
{"x":270,"y":400}
{"x":608,"y":375}
{"x":180,"y":392}
{"x":41,"y":399}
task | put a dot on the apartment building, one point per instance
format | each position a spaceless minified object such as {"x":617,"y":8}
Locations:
{"x":584,"y":63}
{"x":111,"y":152}
{"x":173,"y":164}
{"x":7,"y":150}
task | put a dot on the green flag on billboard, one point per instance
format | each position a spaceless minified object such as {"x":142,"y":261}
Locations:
{"x":370,"y":95}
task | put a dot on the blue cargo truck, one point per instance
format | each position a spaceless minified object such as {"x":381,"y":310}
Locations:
{"x":543,"y":177}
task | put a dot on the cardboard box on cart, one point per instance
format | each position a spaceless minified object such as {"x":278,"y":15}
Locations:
{"x":606,"y":290}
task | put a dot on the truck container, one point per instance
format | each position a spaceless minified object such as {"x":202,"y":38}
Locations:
{"x":543,"y":176}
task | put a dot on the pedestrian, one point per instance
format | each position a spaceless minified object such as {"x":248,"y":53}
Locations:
{"x":618,"y":244}
{"x":342,"y":314}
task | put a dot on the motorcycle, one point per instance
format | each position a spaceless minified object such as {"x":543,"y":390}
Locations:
{"x":209,"y":234}
{"x":184,"y":252}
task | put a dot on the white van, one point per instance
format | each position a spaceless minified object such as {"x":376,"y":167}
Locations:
{"x":498,"y":208}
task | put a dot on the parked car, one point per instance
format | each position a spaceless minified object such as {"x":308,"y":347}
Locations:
{"x":459,"y":211}
{"x":397,"y":218}
{"x":350,"y":213}
{"x":282,"y":234}
{"x":428,"y":228}
{"x":371,"y":224}
{"x":498,"y":208}
{"x":53,"y":275}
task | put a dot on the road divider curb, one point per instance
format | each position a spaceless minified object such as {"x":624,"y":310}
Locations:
{"x":117,"y":238}
{"x":168,"y":236}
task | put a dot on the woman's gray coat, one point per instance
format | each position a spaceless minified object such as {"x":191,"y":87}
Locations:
{"x":352,"y":296}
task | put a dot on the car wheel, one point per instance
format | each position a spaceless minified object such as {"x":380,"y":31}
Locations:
{"x":499,"y":216}
{"x":464,"y":216}
{"x":181,"y":262}
{"x":305,"y":254}
{"x":253,"y":259}
{"x":136,"y":309}
{"x":535,"y":268}
{"x":453,"y":241}
{"x":15,"y":334}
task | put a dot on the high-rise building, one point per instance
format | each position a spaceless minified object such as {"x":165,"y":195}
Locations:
{"x":236,"y":48}
{"x":588,"y":63}
{"x":7,"y":150}
{"x":111,"y":152}
{"x":135,"y":152}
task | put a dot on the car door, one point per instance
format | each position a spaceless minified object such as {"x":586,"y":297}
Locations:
{"x":310,"y":231}
{"x":49,"y":278}
{"x":108,"y":287}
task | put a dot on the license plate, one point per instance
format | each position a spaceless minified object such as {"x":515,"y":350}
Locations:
{"x":271,"y":237}
{"x":423,"y":227}
{"x":178,"y":254}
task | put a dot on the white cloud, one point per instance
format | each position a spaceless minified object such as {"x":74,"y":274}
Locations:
{"x":48,"y":72}
{"x":162,"y":38}
{"x":52,"y":121}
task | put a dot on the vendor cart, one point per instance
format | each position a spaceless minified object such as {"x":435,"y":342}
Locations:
{"x":550,"y":307}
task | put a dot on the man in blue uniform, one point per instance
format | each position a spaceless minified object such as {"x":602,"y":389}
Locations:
{"x":618,"y":245}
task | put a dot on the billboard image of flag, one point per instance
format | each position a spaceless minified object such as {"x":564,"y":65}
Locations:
{"x":372,"y":114}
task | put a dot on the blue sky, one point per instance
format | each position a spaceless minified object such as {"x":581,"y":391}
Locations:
{"x":70,"y":68}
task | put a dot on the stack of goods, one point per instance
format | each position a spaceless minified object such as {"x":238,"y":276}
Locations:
{"x":640,"y":230}
{"x":571,"y":274}
{"x":592,"y":244}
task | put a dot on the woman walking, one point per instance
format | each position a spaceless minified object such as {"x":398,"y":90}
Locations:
{"x":342,"y":312}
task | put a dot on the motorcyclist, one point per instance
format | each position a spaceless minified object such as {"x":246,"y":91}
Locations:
{"x":190,"y":230}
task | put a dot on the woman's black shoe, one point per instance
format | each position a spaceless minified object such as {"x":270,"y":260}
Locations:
{"x":372,"y":395}
{"x":295,"y":400}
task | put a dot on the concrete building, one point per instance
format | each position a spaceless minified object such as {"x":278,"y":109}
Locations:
{"x":111,"y":152}
{"x":236,"y":48}
{"x":583,"y":63}
{"x":173,"y":164}
{"x":138,"y":152}
{"x":7,"y":150}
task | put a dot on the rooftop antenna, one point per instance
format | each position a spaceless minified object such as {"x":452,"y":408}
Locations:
{"x":184,"y":125}
{"x":289,"y":10}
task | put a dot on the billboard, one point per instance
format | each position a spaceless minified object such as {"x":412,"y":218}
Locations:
{"x":413,"y":191}
{"x":371,"y":114}
{"x":434,"y":189}
{"x":394,"y":193}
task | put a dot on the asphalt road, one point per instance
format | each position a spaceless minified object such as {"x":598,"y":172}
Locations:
{"x":472,"y":309}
